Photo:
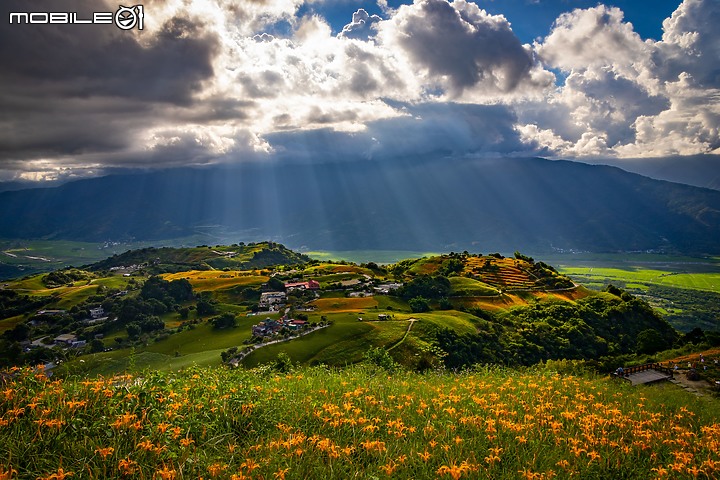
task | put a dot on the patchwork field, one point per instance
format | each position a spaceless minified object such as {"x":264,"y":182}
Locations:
{"x":211,"y":280}
{"x":709,"y":281}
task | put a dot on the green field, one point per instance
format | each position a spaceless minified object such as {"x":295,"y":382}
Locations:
{"x":471,"y":287}
{"x":696,"y":281}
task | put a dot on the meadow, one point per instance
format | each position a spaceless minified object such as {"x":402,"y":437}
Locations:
{"x":708,"y":281}
{"x":359,"y":422}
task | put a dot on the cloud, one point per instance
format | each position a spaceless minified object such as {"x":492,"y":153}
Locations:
{"x":362,"y":26}
{"x":224,"y":81}
{"x":459,"y":46}
{"x":427,"y":129}
{"x":634,"y":98}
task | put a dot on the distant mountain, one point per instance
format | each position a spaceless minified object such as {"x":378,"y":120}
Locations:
{"x":534,"y":205}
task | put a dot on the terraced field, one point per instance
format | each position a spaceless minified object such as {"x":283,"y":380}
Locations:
{"x":211,"y":280}
{"x":507,"y":273}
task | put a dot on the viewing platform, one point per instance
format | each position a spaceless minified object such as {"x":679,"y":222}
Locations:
{"x":642,"y":374}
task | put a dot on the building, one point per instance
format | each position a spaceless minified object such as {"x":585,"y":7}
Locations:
{"x":270,"y":299}
{"x":387,"y":288}
{"x":51,"y":313}
{"x":97,"y":312}
{"x":309,"y":285}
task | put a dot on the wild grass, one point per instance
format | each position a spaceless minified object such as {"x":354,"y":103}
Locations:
{"x":359,"y":422}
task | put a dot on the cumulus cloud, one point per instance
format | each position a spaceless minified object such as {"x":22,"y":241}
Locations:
{"x":631,"y":97}
{"x":362,"y":26}
{"x":225,"y":81}
{"x":460,"y":46}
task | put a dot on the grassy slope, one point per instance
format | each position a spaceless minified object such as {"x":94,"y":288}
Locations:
{"x":356,"y":423}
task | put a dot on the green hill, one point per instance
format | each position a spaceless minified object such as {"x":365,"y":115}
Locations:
{"x":239,"y":256}
{"x":161,"y":308}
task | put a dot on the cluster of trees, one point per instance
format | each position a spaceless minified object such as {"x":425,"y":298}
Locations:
{"x":592,"y":328}
{"x":423,"y":290}
{"x":141,"y":314}
{"x":66,"y":276}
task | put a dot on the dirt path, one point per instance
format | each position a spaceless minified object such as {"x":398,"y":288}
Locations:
{"x":697,"y":387}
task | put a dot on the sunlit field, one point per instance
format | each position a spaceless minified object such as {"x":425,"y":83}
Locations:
{"x":695,"y":281}
{"x":362,"y":422}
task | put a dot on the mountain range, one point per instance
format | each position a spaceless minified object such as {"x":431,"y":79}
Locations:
{"x":533,"y":204}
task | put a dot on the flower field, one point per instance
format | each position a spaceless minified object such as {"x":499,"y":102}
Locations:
{"x":358,"y":422}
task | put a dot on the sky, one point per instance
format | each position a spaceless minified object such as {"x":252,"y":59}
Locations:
{"x":220,"y":82}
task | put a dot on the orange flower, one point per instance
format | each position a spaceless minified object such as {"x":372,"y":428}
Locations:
{"x":104,"y":452}
{"x":216,"y":469}
{"x":389,"y":468}
{"x":186,"y":442}
{"x":60,"y":475}
{"x":127,"y":466}
{"x":280,"y":474}
{"x":166,"y":473}
{"x":6,"y":474}
{"x":146,"y":445}
{"x":250,"y":464}
{"x":455,"y":471}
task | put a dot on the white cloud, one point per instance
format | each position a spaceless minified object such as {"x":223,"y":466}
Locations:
{"x":628,"y":98}
{"x":220,"y":80}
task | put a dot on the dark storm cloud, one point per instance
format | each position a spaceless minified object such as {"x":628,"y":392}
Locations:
{"x":446,"y":129}
{"x":72,"y":90}
{"x":92,"y":60}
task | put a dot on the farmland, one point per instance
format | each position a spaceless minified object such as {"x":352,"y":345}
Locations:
{"x":463,"y":308}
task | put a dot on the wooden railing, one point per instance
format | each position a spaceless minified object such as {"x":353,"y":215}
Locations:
{"x":641,"y":368}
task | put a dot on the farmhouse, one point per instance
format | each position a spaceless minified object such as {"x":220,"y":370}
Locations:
{"x":51,"y":313}
{"x":266,"y":327}
{"x":69,"y":340}
{"x":386,"y":288}
{"x":270,"y":299}
{"x":309,"y":285}
{"x":97,"y":312}
{"x":269,"y":327}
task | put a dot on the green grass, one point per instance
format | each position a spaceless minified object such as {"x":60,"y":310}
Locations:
{"x":344,"y":342}
{"x":471,"y":287}
{"x":360,"y":422}
{"x":696,"y":281}
{"x":10,"y":322}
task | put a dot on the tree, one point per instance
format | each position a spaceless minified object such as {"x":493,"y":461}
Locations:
{"x":380,"y":357}
{"x":650,"y":341}
{"x":205,"y":308}
{"x":426,"y":286}
{"x":283,"y":363}
{"x":419,"y":304}
{"x":450,"y":266}
{"x":96,"y":345}
{"x":226,"y":320}
{"x":133,"y":330}
{"x":276,"y":284}
{"x":150,"y":324}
